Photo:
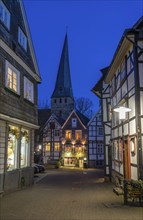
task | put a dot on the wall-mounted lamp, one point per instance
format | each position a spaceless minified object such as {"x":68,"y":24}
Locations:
{"x":122,"y":112}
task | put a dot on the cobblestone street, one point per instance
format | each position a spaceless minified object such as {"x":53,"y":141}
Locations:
{"x":68,"y":194}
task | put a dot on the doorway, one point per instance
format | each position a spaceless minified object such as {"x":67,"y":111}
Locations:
{"x":126,"y":160}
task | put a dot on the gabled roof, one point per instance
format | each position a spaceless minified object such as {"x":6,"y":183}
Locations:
{"x":82,"y":118}
{"x":30,"y":41}
{"x":43,"y":116}
{"x":97,"y":89}
{"x":63,"y":86}
{"x":91,"y":120}
{"x":126,"y":40}
{"x":52,"y":118}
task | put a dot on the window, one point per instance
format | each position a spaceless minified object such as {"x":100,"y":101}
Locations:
{"x":65,"y":100}
{"x":12,"y":157}
{"x":113,"y":86}
{"x":56,"y":146}
{"x":100,"y":131}
{"x":22,"y":39}
{"x":4,"y":15}
{"x":12,"y":77}
{"x":28,"y":90}
{"x":57,"y":133}
{"x":74,"y":122}
{"x":122,"y":70}
{"x":78,"y":134}
{"x":55,"y":101}
{"x":47,"y":147}
{"x":68,"y":134}
{"x":100,"y":118}
{"x":99,"y":148}
{"x":24,"y":156}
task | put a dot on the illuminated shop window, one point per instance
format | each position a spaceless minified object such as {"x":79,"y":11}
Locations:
{"x":28,"y":90}
{"x":12,"y":77}
{"x":56,"y":146}
{"x":47,"y":147}
{"x":24,"y":156}
{"x":12,"y":148}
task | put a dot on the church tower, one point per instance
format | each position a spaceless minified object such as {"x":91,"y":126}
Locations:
{"x":62,"y":100}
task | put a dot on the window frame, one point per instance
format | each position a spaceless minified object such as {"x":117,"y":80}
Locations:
{"x":5,"y":12}
{"x":74,"y":122}
{"x":29,"y":90}
{"x":26,"y":148}
{"x":14,"y":70}
{"x":22,"y":39}
{"x":78,"y":134}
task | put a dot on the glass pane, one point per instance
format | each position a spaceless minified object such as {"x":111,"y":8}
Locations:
{"x":24,"y":148}
{"x":12,"y":148}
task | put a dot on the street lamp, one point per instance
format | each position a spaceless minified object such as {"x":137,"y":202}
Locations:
{"x":122,"y":112}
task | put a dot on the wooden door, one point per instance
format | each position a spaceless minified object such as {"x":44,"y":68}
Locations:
{"x":126,"y":160}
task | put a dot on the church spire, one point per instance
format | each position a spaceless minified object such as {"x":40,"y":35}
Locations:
{"x":63,"y":86}
{"x":62,"y":100}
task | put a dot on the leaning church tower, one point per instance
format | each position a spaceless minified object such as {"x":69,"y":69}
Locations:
{"x":62,"y":100}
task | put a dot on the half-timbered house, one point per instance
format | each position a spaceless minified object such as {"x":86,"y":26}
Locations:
{"x":96,"y":141}
{"x":19,"y":76}
{"x":75,"y":140}
{"x":125,"y":77}
{"x":101,"y":89}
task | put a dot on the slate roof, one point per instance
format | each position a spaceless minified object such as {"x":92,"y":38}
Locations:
{"x":82,"y":117}
{"x":43,"y":116}
{"x":97,"y":89}
{"x":63,"y":86}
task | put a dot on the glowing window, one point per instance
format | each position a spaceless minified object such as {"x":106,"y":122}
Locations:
{"x":47,"y":147}
{"x":12,"y":77}
{"x":12,"y":157}
{"x":24,"y":156}
{"x":57,"y":146}
{"x":68,"y":134}
{"x":78,"y":134}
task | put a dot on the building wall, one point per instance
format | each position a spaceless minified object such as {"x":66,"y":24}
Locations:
{"x":12,"y":104}
{"x":106,"y":107}
{"x":18,"y":113}
{"x":127,"y":132}
{"x":96,"y":141}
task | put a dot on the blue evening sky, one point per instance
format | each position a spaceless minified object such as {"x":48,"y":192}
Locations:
{"x":94,"y":30}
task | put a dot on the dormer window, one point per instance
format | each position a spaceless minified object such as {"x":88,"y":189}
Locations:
{"x":4,"y":15}
{"x":22,"y":39}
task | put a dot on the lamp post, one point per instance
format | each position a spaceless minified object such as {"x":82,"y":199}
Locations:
{"x":122,"y":116}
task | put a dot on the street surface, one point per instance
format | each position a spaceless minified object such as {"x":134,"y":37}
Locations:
{"x":68,"y":194}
